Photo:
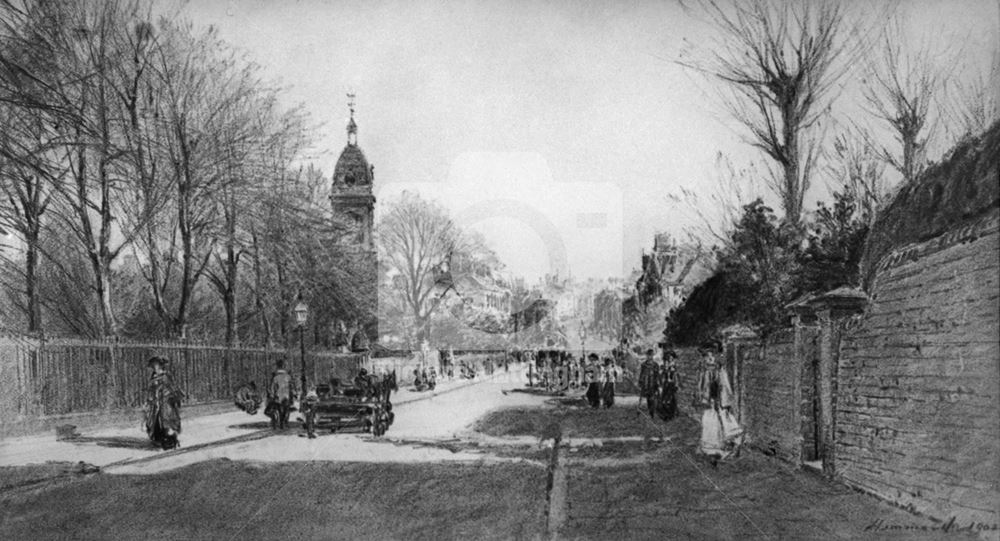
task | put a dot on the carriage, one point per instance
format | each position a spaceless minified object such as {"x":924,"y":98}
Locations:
{"x":365,"y":406}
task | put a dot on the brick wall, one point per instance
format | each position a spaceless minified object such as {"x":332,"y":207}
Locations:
{"x":772,"y":384}
{"x":918,"y":403}
{"x":918,"y":417}
{"x":688,"y":367}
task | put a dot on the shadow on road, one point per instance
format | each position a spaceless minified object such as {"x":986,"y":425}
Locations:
{"x":259,"y":425}
{"x":568,"y":401}
{"x":120,"y":442}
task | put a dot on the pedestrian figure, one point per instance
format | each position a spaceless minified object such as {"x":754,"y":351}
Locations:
{"x":669,"y":384}
{"x":280,"y":395}
{"x":592,"y":377}
{"x":419,"y":383}
{"x":247,"y":398}
{"x":547,"y":372}
{"x":309,"y":412}
{"x":562,"y":377}
{"x":649,"y":377}
{"x":720,"y":433}
{"x":610,"y":377}
{"x":431,"y":378}
{"x":163,"y":406}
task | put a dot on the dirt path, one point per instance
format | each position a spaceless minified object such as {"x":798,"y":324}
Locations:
{"x":557,"y":492}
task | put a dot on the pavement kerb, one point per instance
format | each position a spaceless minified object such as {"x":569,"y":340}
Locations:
{"x":265,"y":433}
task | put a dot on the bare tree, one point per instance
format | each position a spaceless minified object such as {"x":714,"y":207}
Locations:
{"x":417,"y":240}
{"x":207,"y":108}
{"x":27,"y":177}
{"x":780,"y":61}
{"x":124,"y":134}
{"x":277,"y":139}
{"x":974,"y":99}
{"x":902,"y":86}
{"x":65,"y":84}
{"x":858,"y":169}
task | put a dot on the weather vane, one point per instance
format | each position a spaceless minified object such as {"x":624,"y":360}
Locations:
{"x":350,"y":102}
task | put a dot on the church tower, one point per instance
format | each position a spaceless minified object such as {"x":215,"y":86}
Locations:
{"x":353,"y":209}
{"x":351,"y":194}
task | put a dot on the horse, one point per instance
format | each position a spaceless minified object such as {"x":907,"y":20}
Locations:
{"x":383,"y":386}
{"x":380,"y":389}
{"x":374,"y":387}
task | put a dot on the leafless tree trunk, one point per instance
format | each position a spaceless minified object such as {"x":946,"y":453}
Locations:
{"x":258,"y":275}
{"x":206,"y":110}
{"x":780,"y":61}
{"x":27,"y":178}
{"x":90,"y":197}
{"x":902,"y":86}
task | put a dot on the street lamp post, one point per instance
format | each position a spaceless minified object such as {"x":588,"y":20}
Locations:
{"x":301,"y":311}
{"x":583,"y":338}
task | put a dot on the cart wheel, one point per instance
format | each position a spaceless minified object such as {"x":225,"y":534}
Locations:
{"x":392,"y":417}
{"x":378,"y":429}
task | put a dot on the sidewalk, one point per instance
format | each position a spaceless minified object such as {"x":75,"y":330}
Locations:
{"x":111,"y":445}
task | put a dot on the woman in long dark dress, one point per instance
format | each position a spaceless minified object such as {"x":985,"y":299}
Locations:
{"x":163,"y":406}
{"x":668,"y":386}
{"x":610,"y":378}
{"x":592,"y":377}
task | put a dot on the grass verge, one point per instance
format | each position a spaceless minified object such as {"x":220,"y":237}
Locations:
{"x":311,"y":500}
{"x":574,"y":416}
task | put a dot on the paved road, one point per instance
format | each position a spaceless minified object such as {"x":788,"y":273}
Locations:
{"x":442,"y":417}
{"x":443,"y":414}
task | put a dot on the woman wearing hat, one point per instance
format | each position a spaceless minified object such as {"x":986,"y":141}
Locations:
{"x":719,"y":431}
{"x":163,"y":406}
{"x":592,"y":377}
{"x":668,"y":384}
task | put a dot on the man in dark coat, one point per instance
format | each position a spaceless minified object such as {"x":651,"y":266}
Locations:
{"x":280,"y":394}
{"x":649,"y":378}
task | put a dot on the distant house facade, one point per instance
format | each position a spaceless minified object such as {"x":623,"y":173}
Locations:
{"x":484,"y":293}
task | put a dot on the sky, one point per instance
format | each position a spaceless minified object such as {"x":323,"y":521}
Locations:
{"x":558,"y":129}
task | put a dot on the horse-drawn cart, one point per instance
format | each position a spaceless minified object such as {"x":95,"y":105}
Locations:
{"x":366,"y":407}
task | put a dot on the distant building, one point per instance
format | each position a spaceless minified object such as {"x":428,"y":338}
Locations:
{"x":680,"y":268}
{"x":484,"y":293}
